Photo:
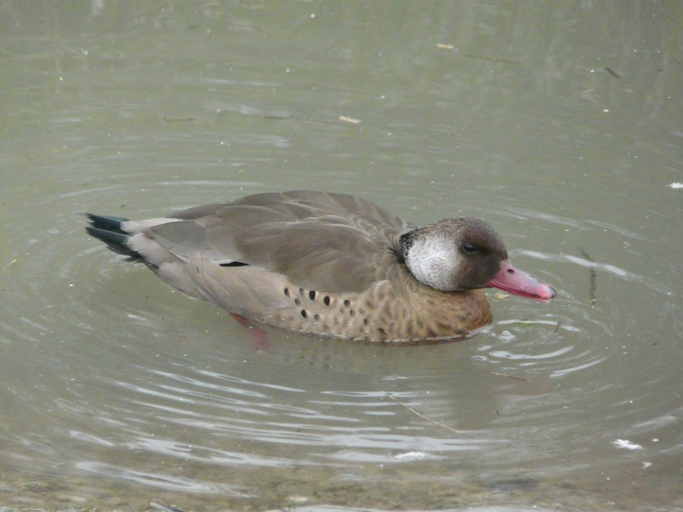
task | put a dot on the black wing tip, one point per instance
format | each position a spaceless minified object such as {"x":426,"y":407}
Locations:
{"x":107,"y":222}
{"x":234,"y":264}
{"x":115,"y":241}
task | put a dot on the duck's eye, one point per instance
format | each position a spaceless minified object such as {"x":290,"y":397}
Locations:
{"x":469,"y":248}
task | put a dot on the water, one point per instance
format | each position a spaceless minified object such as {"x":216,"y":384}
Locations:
{"x":560,"y":124}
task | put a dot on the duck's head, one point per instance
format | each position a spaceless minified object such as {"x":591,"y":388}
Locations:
{"x":463,"y":254}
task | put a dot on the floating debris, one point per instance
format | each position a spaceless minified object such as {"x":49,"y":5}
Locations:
{"x":676,"y":185}
{"x":626,"y":444}
{"x":612,"y":72}
{"x":445,"y":46}
{"x":501,"y":295}
{"x":410,"y":456}
{"x":351,"y":120}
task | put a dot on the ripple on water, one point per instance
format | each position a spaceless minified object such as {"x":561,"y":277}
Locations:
{"x":131,"y":374}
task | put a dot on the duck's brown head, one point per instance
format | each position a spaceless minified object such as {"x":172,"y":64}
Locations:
{"x":463,"y":254}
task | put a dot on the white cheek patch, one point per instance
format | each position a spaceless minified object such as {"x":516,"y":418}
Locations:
{"x":434,"y":262}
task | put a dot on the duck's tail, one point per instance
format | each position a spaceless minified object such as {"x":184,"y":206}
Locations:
{"x":109,"y":230}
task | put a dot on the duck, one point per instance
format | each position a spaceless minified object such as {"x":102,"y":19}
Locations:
{"x":327,"y":264}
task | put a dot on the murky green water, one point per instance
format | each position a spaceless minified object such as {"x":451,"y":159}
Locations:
{"x":559,"y":122}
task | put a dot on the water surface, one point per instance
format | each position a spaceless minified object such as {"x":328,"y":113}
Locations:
{"x":560,"y":124}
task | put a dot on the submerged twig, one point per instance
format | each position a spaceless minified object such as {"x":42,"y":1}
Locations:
{"x":422,"y":416}
{"x":612,"y":72}
{"x":592,"y":276}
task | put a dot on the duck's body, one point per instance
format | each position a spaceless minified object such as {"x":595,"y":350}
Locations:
{"x":327,"y":264}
